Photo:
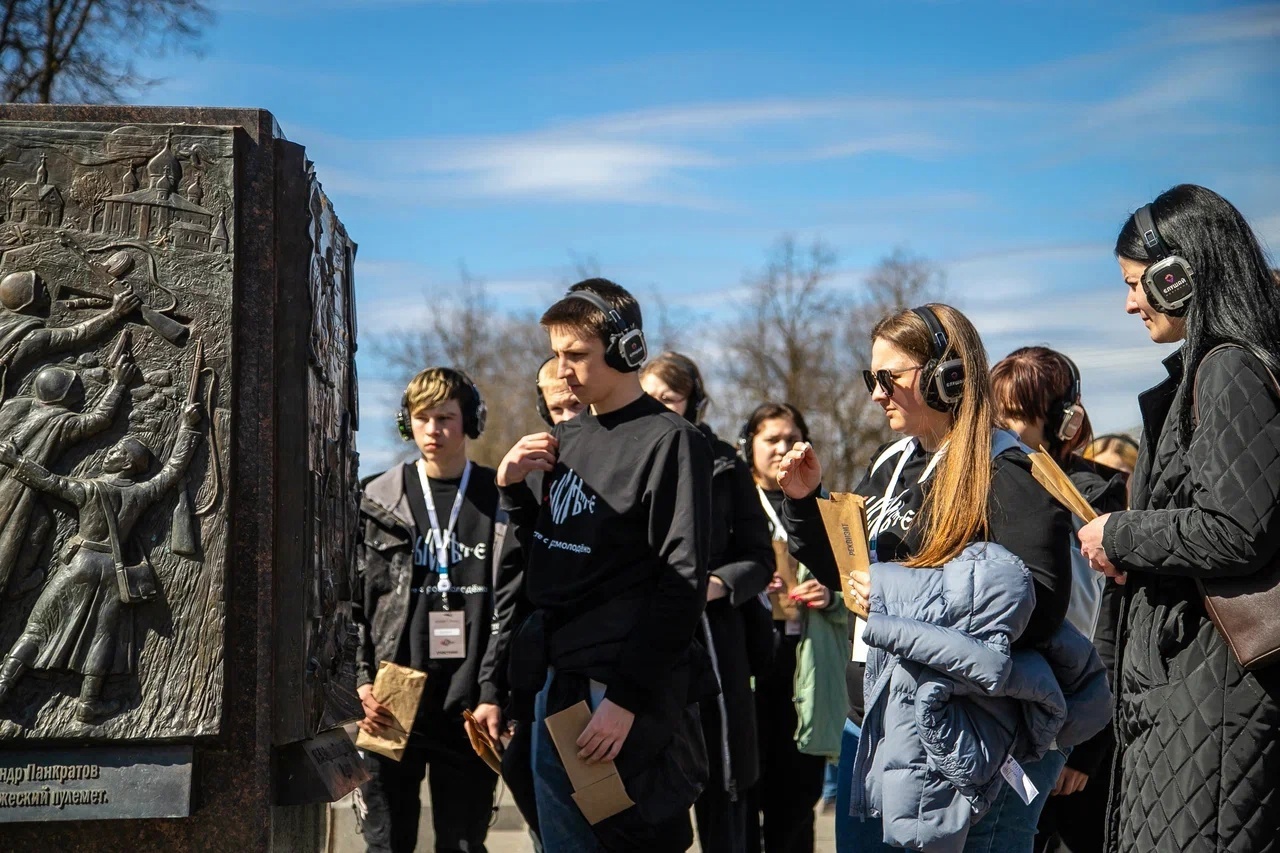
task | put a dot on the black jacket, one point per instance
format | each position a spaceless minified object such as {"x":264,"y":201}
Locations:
{"x":1104,"y":489}
{"x":384,"y":577}
{"x":1197,"y":764}
{"x":742,"y":557}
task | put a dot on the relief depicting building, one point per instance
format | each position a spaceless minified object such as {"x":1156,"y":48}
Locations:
{"x":158,"y":212}
{"x":37,"y":202}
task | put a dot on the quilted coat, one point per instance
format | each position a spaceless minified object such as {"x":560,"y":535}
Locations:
{"x":1197,"y":764}
{"x":948,"y":697}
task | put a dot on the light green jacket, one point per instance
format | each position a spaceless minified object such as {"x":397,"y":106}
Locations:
{"x":822,"y":700}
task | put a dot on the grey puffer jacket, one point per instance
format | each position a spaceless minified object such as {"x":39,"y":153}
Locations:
{"x":949,"y":698}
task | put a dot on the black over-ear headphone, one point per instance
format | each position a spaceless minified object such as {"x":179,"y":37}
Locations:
{"x":625,"y":350}
{"x":941,"y":382}
{"x":474,"y":412}
{"x":1066,"y":415}
{"x":1169,"y":281}
{"x":543,"y":411}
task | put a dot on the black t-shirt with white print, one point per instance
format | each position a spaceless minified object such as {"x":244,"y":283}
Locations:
{"x":450,"y":682}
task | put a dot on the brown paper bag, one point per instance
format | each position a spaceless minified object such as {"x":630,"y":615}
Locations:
{"x":1057,"y":483}
{"x":482,"y":743}
{"x":784,"y":609}
{"x":400,"y":689}
{"x":597,"y":788}
{"x":845,"y":518}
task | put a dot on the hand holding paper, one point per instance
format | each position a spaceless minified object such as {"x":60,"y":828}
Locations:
{"x":800,"y":472}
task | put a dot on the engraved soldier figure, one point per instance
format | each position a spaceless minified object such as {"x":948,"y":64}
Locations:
{"x":43,"y":427}
{"x":24,"y":336}
{"x":82,"y":621}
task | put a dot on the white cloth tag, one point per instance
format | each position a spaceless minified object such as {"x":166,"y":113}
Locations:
{"x":1013,"y":773}
{"x":860,"y":647}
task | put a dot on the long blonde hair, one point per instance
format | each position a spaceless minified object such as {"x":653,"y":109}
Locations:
{"x":955,"y":508}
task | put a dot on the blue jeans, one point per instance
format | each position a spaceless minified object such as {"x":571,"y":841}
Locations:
{"x":845,"y":823}
{"x":1009,"y":827}
{"x":560,"y":822}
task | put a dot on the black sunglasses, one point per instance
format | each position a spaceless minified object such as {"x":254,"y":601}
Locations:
{"x":885,"y":378}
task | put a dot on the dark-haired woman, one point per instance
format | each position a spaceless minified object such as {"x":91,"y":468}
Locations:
{"x":1037,"y":394}
{"x":1198,"y":735}
{"x":930,"y":494}
{"x":800,"y":706}
{"x":741,"y":565}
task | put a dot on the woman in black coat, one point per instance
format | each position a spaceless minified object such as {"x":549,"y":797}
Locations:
{"x":1198,"y":737}
{"x":741,"y":567}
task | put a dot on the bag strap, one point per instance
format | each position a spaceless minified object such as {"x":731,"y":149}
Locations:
{"x":112,"y":531}
{"x":1195,"y":385}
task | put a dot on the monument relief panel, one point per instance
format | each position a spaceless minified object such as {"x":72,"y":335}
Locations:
{"x":117,"y":251}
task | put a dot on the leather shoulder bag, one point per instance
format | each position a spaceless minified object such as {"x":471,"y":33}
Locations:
{"x":1245,"y":610}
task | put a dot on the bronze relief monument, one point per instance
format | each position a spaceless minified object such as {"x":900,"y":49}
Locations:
{"x":177,"y":481}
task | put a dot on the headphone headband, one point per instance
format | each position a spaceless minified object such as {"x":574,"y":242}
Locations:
{"x":611,"y":314}
{"x":937,"y":335}
{"x":1151,"y":239}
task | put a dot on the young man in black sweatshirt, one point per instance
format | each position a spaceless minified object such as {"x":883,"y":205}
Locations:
{"x":424,"y":600}
{"x":616,"y":548}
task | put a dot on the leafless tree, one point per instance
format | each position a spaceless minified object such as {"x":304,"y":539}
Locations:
{"x":83,"y":50}
{"x":804,"y":340}
{"x":500,"y":352}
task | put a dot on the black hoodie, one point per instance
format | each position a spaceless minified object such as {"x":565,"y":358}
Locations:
{"x":617,"y":550}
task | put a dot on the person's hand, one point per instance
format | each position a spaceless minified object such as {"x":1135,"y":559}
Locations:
{"x":125,"y":302}
{"x":800,"y":473}
{"x":377,"y":719}
{"x":191,"y":415}
{"x":9,"y":454}
{"x":1069,"y":782}
{"x":861,"y":583}
{"x":811,"y":594}
{"x":123,"y":372}
{"x":535,"y":452}
{"x":776,"y":585}
{"x":603,"y":737}
{"x":489,"y":716}
{"x":716,"y":588}
{"x":1091,"y":547}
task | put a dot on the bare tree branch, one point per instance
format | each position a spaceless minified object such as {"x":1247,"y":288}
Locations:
{"x":83,"y":50}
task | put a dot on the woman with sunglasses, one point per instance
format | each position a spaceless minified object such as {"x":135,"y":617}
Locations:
{"x":929,"y":494}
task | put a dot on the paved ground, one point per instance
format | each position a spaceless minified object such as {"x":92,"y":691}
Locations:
{"x":507,"y":836}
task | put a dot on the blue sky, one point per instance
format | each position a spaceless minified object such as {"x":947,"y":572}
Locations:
{"x":675,"y":141}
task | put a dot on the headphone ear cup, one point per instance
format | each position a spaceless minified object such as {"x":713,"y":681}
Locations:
{"x":403,"y":424}
{"x":543,"y":411}
{"x":479,"y":415}
{"x":928,"y":385}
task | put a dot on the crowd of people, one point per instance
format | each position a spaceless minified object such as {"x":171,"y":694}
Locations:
{"x":1019,"y":674}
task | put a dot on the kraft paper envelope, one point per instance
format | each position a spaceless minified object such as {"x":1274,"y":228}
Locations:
{"x":1056,"y":482}
{"x":845,"y":518}
{"x":597,"y":788}
{"x":482,"y":743}
{"x":400,"y":689}
{"x":784,"y":609}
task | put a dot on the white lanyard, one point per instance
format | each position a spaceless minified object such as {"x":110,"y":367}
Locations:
{"x":779,"y":532}
{"x":444,"y":538}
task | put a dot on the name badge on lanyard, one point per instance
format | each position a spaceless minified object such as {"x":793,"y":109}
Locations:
{"x":443,"y":538}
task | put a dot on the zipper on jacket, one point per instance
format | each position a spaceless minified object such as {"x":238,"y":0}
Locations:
{"x":730,"y":784}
